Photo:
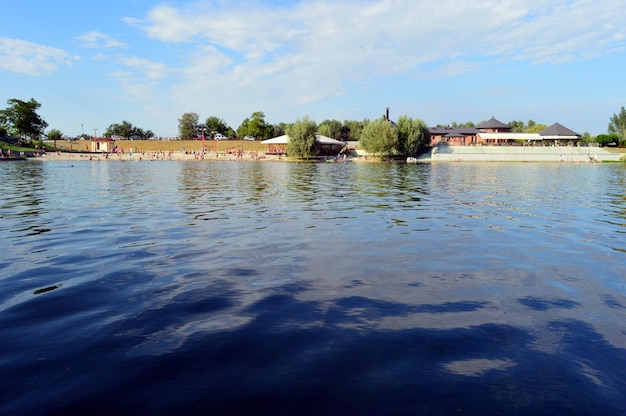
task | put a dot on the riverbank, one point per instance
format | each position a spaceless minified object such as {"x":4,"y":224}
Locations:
{"x":156,"y":156}
{"x":254,"y":150}
{"x":571,"y":154}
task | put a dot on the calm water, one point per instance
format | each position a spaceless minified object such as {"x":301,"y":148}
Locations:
{"x":329,"y":289}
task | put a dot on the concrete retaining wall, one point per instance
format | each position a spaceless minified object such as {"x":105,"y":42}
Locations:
{"x":519,"y":154}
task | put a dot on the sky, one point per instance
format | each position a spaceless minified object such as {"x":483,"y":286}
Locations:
{"x":92,"y":64}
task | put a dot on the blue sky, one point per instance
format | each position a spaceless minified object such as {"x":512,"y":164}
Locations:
{"x":91,"y":64}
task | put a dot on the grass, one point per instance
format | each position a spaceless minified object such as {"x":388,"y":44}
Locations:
{"x":15,"y":148}
{"x":169,"y":145}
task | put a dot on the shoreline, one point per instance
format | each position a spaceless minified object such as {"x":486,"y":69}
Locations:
{"x":556,"y":154}
{"x":153,"y":157}
{"x":60,"y":156}
{"x":447,"y":155}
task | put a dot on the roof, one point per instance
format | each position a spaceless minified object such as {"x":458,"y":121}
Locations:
{"x":557,"y":130}
{"x":277,"y":140}
{"x":492,"y":123}
{"x":320,"y":138}
{"x":454,"y":133}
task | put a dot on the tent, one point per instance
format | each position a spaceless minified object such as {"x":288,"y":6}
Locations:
{"x":277,"y":140}
{"x":320,"y":138}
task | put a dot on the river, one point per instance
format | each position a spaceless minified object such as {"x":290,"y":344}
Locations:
{"x":326,"y":289}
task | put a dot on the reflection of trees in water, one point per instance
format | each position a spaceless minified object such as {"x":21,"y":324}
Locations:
{"x":263,"y":181}
{"x":226,"y":188}
{"x":616,"y":184}
{"x":24,"y":196}
{"x":307,"y":183}
{"x":401,"y":182}
{"x":303,"y":182}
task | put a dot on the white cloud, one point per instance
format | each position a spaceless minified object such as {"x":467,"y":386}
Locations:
{"x":139,"y":78}
{"x":260,"y":54}
{"x":29,"y":58}
{"x":96,"y":39}
{"x":147,"y":68}
{"x":557,"y":31}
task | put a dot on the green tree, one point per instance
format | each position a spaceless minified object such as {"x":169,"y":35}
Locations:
{"x":126,"y":130}
{"x":455,"y":125}
{"x":255,"y":126}
{"x":325,"y":130}
{"x":379,"y":137}
{"x":278,"y":129}
{"x":54,"y":134}
{"x":188,"y":126}
{"x":413,"y":136}
{"x":351,"y":130}
{"x":617,"y":124}
{"x":217,"y":125}
{"x":535,"y":128}
{"x":123,"y":129}
{"x":21,"y":118}
{"x":330,"y":128}
{"x":586,"y":138}
{"x":302,"y":141}
{"x":606,"y":139}
{"x":517,"y":126}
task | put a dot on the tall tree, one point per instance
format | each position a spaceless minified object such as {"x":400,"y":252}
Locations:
{"x":413,"y":135}
{"x":22,"y":119}
{"x":517,"y":126}
{"x":617,"y":124}
{"x":54,"y":134}
{"x":188,"y":126}
{"x":379,"y":137}
{"x":278,"y":129}
{"x":123,"y":129}
{"x":351,"y":130}
{"x":255,"y":126}
{"x":330,"y":128}
{"x":302,"y":141}
{"x":535,"y":128}
{"x":217,"y":125}
{"x":126,"y":130}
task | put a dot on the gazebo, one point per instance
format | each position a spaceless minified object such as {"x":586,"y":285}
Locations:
{"x":558,"y":132}
{"x":493,"y":126}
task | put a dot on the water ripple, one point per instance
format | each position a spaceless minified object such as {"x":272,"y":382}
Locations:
{"x":227,"y":288}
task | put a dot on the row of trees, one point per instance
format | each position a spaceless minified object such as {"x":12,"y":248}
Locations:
{"x":190,"y":127}
{"x":127,"y":130}
{"x":517,"y":126}
{"x":409,"y":136}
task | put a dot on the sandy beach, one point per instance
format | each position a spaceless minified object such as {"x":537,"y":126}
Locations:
{"x":156,"y":156}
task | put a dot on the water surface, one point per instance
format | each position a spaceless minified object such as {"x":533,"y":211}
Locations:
{"x":283,"y":288}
